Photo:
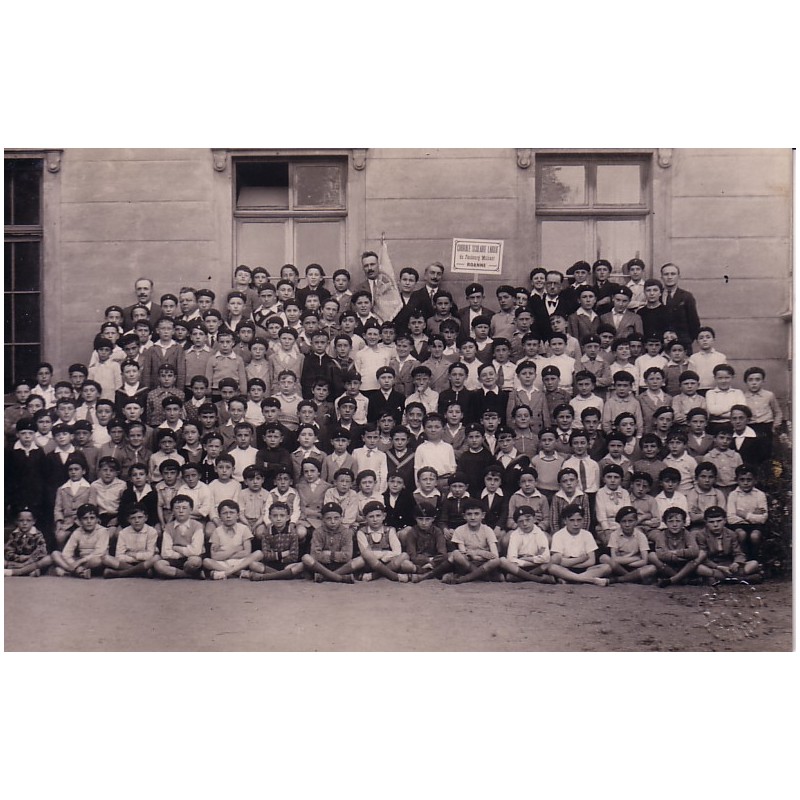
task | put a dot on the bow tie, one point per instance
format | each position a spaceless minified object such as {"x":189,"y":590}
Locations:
{"x":616,"y":496}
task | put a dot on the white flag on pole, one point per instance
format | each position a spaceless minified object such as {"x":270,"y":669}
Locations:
{"x":388,"y":303}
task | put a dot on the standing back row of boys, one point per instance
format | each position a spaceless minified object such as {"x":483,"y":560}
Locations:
{"x":412,"y":414}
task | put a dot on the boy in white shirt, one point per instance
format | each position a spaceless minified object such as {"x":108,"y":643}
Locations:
{"x":572,"y":552}
{"x":528,"y":549}
{"x":434,"y":452}
{"x":370,"y":457}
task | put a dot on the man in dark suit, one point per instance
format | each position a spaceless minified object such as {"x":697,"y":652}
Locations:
{"x":555,"y":302}
{"x":144,"y":297}
{"x":681,"y":307}
{"x":423,"y":298}
{"x":385,"y":399}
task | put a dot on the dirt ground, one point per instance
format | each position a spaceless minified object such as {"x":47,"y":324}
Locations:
{"x":64,"y":614}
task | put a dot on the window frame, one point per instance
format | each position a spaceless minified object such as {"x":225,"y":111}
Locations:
{"x":593,"y":212}
{"x":21,"y":234}
{"x":293,"y":216}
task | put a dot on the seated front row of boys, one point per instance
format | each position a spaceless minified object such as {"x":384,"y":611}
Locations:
{"x":422,"y":551}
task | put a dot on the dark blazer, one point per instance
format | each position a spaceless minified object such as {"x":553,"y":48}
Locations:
{"x":402,"y":515}
{"x":604,"y":295}
{"x":316,"y":368}
{"x":155,"y":315}
{"x":482,"y":401}
{"x":682,"y":316}
{"x":465,"y":397}
{"x":149,"y":501}
{"x":541,"y":316}
{"x":496,"y":511}
{"x":24,"y":480}
{"x":654,"y":320}
{"x":420,"y":299}
{"x":473,"y":465}
{"x":301,"y":294}
{"x":378,"y":404}
{"x":752,"y":451}
{"x":464,"y":315}
{"x":403,"y":315}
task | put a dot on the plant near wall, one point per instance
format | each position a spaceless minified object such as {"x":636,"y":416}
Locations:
{"x":776,"y":481}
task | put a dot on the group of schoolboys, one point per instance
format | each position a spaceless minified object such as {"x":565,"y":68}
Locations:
{"x":298,"y":433}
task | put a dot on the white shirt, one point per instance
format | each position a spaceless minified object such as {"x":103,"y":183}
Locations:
{"x":439,"y":455}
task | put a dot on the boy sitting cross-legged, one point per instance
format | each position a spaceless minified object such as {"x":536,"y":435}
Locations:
{"x":279,"y":556}
{"x":331,"y":556}
{"x":677,"y":555}
{"x":426,"y":545}
{"x":477,"y":556}
{"x":25,"y":551}
{"x":183,"y":542}
{"x":380,"y":548}
{"x":136,"y":547}
{"x":725,"y":558}
{"x":528,"y":549}
{"x":573,"y":551}
{"x":231,"y":544}
{"x":629,"y":550}
{"x":84,"y":551}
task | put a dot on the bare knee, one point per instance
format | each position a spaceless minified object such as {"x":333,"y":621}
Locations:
{"x":308,"y":560}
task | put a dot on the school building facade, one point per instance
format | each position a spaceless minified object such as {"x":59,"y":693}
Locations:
{"x":82,"y":224}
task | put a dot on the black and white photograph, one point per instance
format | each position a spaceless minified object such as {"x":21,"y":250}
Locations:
{"x":398,"y":399}
{"x":406,"y":382}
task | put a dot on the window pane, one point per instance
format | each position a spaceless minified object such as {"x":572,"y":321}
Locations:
{"x":562,"y":243}
{"x":9,"y":365}
{"x":619,"y":184}
{"x":23,"y":191}
{"x":26,"y":266}
{"x":23,"y":361}
{"x":8,"y":214}
{"x":561,"y":185}
{"x":9,"y":262}
{"x":26,"y":318}
{"x":320,"y":243}
{"x":262,"y":244}
{"x":620,"y":240}
{"x":9,"y":320}
{"x":262,"y":185}
{"x":318,"y":186}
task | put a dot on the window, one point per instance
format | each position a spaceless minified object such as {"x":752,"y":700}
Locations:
{"x":290,"y":211}
{"x":23,"y":267}
{"x":590,"y":207}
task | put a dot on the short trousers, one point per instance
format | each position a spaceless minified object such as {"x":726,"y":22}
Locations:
{"x":232,"y":563}
{"x":279,"y":565}
{"x":105,"y":518}
{"x":178,"y":563}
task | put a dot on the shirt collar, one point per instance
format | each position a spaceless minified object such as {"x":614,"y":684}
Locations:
{"x":582,"y":312}
{"x":18,"y":446}
{"x":485,"y":493}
